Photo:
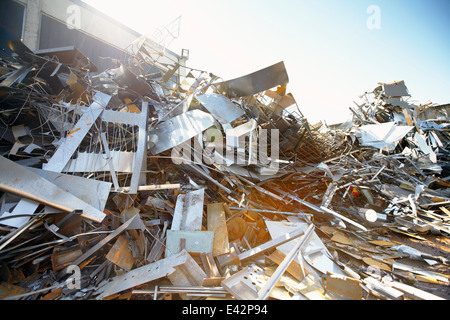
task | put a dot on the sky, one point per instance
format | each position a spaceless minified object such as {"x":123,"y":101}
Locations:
{"x":334,"y":50}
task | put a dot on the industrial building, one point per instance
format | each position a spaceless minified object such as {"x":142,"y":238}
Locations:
{"x":47,"y":24}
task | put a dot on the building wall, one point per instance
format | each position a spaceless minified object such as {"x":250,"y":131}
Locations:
{"x":90,"y":21}
{"x":55,"y":34}
{"x":52,"y":24}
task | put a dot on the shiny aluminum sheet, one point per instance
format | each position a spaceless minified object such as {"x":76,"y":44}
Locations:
{"x":179,"y":129}
{"x":222,"y":108}
{"x":19,"y":180}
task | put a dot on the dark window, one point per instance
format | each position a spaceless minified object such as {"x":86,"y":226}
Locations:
{"x":11,"y":22}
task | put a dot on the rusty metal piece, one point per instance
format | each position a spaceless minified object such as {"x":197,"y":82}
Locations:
{"x":111,"y":222}
{"x":120,"y":254}
{"x":9,"y":290}
{"x":230,"y":258}
{"x":62,"y":257}
{"x":216,"y":222}
{"x":236,"y":228}
{"x":54,"y":295}
{"x":213,"y":275}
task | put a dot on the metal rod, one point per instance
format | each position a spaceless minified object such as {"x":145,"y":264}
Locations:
{"x":263,"y":293}
{"x":33,"y":292}
{"x":271,"y":211}
{"x":344,"y":218}
{"x":13,"y":235}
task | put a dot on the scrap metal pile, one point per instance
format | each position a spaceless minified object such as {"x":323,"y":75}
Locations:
{"x":153,"y":180}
